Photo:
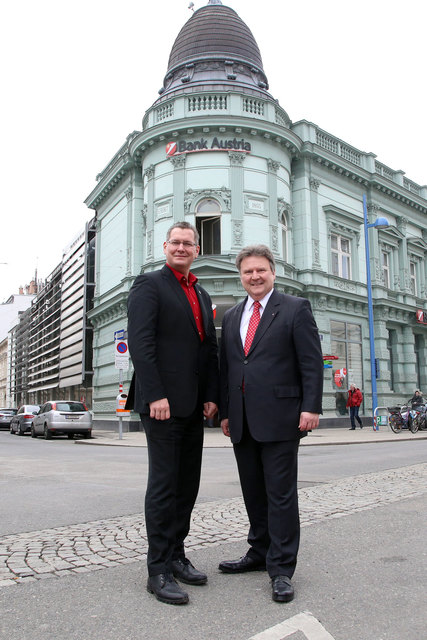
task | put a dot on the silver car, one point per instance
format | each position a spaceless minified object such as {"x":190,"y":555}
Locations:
{"x":60,"y":417}
{"x":21,"y":422}
{"x":6,"y":416}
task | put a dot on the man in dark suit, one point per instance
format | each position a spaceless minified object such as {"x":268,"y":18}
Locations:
{"x":173,"y":347}
{"x":271,"y":378}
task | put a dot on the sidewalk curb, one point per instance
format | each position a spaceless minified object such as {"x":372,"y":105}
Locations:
{"x":215,"y":439}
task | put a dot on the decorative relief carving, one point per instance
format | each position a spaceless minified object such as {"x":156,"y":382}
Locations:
{"x":144,"y":217}
{"x":193,"y":195}
{"x":345,"y":285}
{"x":320,"y":303}
{"x":150,"y":235}
{"x":149,"y":172}
{"x":236,"y":158}
{"x":178,"y":162}
{"x":274,"y":239}
{"x":237,"y":226}
{"x":314,"y":184}
{"x":402,"y":223}
{"x":316,"y":254}
{"x":273,"y":165}
{"x":129,"y":193}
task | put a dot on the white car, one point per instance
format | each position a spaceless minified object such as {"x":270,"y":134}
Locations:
{"x":60,"y":417}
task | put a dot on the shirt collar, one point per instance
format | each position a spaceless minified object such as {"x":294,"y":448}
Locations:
{"x":263,"y":301}
{"x":192,"y":279}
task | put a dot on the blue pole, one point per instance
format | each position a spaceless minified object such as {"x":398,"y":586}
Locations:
{"x":370,"y":315}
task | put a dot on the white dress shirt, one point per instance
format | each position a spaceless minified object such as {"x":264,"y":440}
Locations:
{"x":247,"y":312}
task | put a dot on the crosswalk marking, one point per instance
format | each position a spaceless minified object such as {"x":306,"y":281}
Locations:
{"x":304,"y":622}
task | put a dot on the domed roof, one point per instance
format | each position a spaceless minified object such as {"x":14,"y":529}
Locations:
{"x":215,"y":31}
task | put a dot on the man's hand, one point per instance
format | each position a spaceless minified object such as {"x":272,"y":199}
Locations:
{"x":308,"y":421}
{"x":224,"y":427}
{"x":159,"y":409}
{"x":209,"y":409}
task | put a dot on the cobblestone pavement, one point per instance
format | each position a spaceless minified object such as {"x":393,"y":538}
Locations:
{"x":91,"y":546}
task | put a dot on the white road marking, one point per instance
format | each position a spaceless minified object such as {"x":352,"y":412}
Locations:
{"x":304,"y":622}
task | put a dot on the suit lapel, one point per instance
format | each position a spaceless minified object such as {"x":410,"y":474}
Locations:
{"x":270,"y":312}
{"x":179,"y":293}
{"x":235,"y":324}
{"x":203,"y":307}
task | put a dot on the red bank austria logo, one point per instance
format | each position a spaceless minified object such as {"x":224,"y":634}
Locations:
{"x":204,"y":144}
{"x":171,"y":148}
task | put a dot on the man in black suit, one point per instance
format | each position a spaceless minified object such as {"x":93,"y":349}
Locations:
{"x":173,"y":347}
{"x":271,"y":378}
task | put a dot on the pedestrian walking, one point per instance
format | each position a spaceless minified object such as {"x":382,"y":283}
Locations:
{"x":354,"y":400}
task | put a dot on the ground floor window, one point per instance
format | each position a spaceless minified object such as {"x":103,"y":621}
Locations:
{"x":346,"y":344}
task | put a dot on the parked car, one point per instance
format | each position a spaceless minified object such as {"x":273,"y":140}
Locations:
{"x":60,"y":417}
{"x":6,"y":416}
{"x":21,"y":422}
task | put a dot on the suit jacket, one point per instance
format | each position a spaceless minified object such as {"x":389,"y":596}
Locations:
{"x":169,"y":359}
{"x":283,"y":371}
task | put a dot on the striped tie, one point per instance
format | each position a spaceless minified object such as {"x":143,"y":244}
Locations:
{"x":252,"y":327}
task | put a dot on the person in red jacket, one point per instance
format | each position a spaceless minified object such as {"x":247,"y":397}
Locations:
{"x":354,"y":401}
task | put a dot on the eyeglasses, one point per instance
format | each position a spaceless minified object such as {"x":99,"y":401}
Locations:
{"x":178,"y":243}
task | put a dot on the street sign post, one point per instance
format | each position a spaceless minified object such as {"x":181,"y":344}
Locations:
{"x":121,"y":362}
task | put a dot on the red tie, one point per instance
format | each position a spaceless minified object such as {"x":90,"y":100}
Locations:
{"x":252,"y":327}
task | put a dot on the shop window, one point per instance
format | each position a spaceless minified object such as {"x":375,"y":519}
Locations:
{"x":341,"y":256}
{"x":346,"y":344}
{"x":208,"y":224}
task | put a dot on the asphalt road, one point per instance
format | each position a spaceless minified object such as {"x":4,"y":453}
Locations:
{"x":361,"y":574}
{"x":49,"y":483}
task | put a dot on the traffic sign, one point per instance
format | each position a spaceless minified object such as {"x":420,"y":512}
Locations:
{"x":121,"y":350}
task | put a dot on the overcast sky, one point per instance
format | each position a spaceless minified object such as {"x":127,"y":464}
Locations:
{"x":78,"y":78}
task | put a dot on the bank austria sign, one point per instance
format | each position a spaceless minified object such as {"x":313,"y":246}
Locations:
{"x":214,"y":144}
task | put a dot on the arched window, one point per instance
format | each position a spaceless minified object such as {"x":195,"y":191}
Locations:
{"x":208,"y":224}
{"x":283,"y":229}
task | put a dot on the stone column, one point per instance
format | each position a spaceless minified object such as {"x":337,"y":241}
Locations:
{"x":408,"y":353}
{"x":149,"y":219}
{"x":405,"y":283}
{"x":236,"y":186}
{"x":273,"y":167}
{"x":314,"y":212}
{"x":178,"y":163}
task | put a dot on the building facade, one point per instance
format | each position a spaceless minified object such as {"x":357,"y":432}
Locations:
{"x":50,"y":348}
{"x":216,"y":149}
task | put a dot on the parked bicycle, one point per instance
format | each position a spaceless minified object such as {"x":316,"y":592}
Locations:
{"x":422,"y":417}
{"x":404,"y":418}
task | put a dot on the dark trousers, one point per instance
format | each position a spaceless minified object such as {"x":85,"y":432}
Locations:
{"x":174,"y":457}
{"x":268,"y":476}
{"x":354,"y":414}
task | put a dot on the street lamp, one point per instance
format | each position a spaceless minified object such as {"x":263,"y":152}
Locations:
{"x":380,"y":223}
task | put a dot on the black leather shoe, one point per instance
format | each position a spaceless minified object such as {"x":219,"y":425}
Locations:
{"x":283,"y":590}
{"x":166,"y":589}
{"x":243,"y":564}
{"x":185,"y":572}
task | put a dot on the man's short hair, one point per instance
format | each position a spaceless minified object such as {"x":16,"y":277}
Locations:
{"x":260,"y":250}
{"x":184,"y":225}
